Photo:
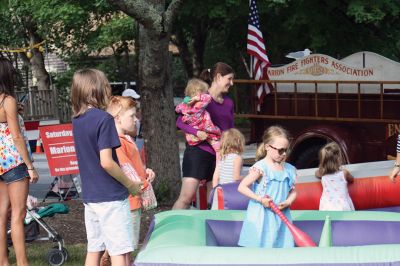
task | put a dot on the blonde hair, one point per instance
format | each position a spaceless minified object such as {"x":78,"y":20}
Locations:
{"x":120,"y":104}
{"x":232,"y":140}
{"x":269,"y":134}
{"x":89,"y":88}
{"x":330,"y":159}
{"x":194,"y":86}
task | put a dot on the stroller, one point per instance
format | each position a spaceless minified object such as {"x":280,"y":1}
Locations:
{"x":34,"y":220}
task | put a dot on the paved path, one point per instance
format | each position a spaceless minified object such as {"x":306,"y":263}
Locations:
{"x":41,"y":188}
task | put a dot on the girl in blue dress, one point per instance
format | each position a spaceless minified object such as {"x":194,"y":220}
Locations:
{"x":270,"y":176}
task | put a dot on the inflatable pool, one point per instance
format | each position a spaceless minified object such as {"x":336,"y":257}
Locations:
{"x":371,"y":189}
{"x":210,"y":238}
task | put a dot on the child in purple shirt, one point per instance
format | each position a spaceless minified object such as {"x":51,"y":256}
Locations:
{"x":199,"y":161}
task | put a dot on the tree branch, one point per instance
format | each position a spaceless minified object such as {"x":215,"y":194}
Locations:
{"x":141,"y":11}
{"x":171,"y":13}
{"x":184,"y":52}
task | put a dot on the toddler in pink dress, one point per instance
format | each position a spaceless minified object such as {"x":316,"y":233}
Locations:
{"x":193,"y":110}
{"x":334,"y":179}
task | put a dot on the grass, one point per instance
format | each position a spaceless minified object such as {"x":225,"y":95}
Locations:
{"x":37,"y":254}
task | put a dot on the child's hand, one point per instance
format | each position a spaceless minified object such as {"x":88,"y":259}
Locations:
{"x":201,"y":135}
{"x":394,"y":174}
{"x":284,"y":204}
{"x":135,"y":188}
{"x":194,"y":100}
{"x":150,"y":175}
{"x":265,"y":202}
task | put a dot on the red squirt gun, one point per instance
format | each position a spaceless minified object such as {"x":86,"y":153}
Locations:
{"x":300,"y":237}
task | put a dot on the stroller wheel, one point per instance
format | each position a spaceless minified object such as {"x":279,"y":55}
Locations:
{"x":64,"y":251}
{"x":55,"y":257}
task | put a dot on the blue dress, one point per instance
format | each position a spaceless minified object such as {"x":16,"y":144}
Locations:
{"x":262,"y":227}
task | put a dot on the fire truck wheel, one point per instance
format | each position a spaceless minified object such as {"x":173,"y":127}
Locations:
{"x":308,"y":158}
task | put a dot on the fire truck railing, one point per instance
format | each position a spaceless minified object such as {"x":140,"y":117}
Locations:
{"x":361,"y":101}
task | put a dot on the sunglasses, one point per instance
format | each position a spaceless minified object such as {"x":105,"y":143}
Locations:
{"x":280,"y":151}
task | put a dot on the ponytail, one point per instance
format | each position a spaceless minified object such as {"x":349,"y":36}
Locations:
{"x":221,"y":68}
{"x":261,"y":152}
{"x":205,"y":75}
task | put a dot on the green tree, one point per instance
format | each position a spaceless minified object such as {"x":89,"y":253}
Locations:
{"x":210,"y":31}
{"x":155,"y":18}
{"x":17,"y":18}
{"x":337,"y":28}
{"x":84,"y":30}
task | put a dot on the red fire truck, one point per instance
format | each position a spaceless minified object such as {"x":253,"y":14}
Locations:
{"x":320,"y":99}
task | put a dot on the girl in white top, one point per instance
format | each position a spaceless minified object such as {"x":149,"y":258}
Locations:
{"x":230,"y":165}
{"x":334,"y":179}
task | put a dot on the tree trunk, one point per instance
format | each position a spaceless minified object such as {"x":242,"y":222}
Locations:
{"x":158,"y":122}
{"x":37,"y":63}
{"x":159,"y":129}
{"x":184,"y":51}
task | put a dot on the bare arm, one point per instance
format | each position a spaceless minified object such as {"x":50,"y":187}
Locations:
{"x":215,"y":180}
{"x":244,"y":187}
{"x":237,"y":168}
{"x":349,"y":178}
{"x":317,"y":174}
{"x":10,"y":104}
{"x":113,"y":169}
{"x":290,"y":199}
{"x":396,"y":169}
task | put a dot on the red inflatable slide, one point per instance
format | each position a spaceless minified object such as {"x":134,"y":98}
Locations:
{"x":366,"y":193}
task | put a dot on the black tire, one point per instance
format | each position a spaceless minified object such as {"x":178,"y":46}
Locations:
{"x":308,"y":158}
{"x":55,"y":257}
{"x":65,"y":252}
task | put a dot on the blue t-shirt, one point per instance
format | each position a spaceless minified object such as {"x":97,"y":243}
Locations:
{"x":94,"y":131}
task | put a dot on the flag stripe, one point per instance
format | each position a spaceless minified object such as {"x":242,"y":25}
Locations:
{"x":256,"y":49}
{"x":253,"y":31}
{"x":256,"y":53}
{"x":253,"y":46}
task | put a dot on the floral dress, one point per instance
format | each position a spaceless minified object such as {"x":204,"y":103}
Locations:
{"x":261,"y":226}
{"x":9,"y":155}
{"x":335,"y":195}
{"x":196,"y":116}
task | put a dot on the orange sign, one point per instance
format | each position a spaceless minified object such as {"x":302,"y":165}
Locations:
{"x":59,"y":146}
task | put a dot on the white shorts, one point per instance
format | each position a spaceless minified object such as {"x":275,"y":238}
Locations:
{"x":109,"y":226}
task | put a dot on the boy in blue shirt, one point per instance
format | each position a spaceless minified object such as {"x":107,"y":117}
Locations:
{"x":105,"y":188}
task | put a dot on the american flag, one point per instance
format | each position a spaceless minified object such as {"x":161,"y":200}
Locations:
{"x":256,"y":49}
